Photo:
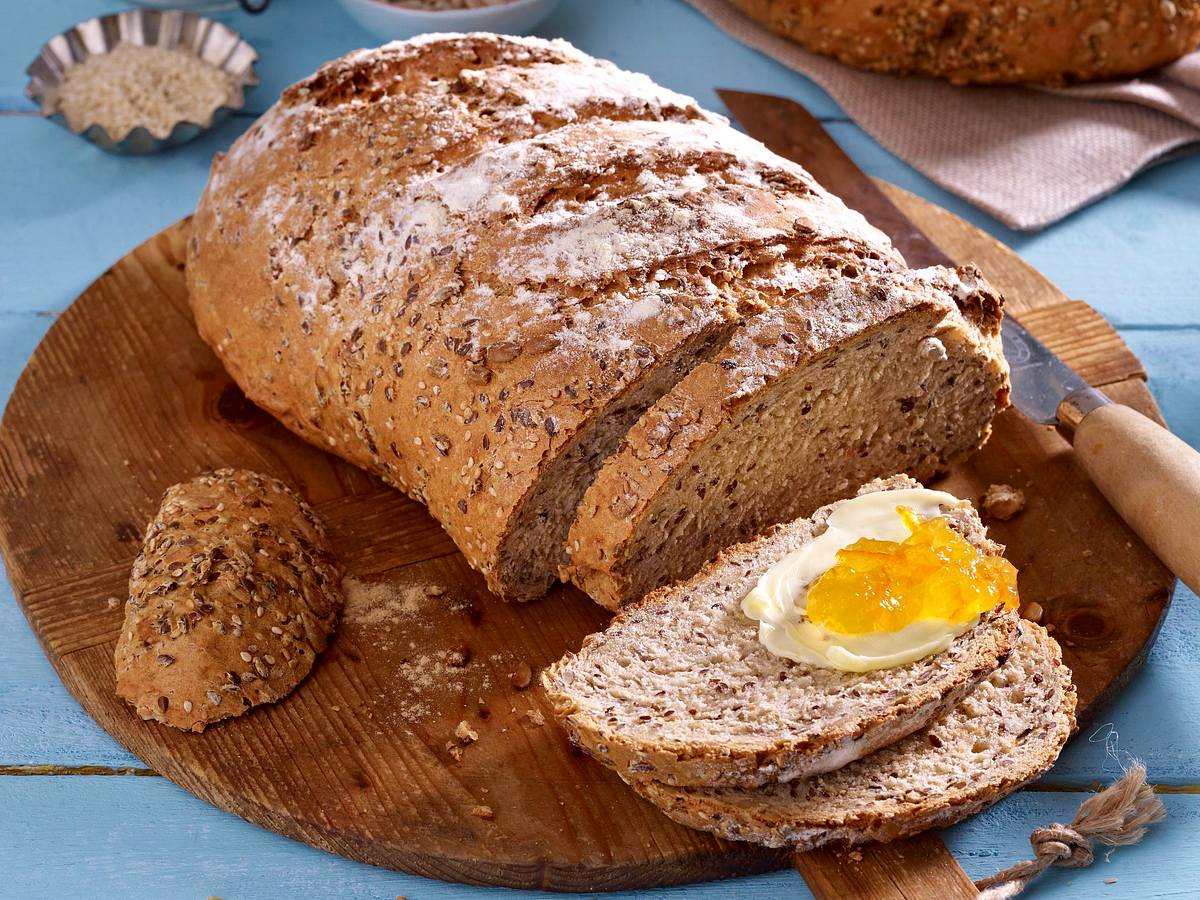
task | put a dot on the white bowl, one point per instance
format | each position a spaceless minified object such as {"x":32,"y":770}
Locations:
{"x":398,"y":22}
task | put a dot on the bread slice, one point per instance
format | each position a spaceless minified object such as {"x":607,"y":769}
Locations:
{"x":678,"y":688}
{"x":1008,"y":731}
{"x":235,"y":592}
{"x":850,"y":381}
{"x":469,"y":263}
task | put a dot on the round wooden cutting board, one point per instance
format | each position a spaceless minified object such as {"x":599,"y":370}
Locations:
{"x":122,"y":399}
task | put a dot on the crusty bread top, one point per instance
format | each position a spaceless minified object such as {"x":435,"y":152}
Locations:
{"x":235,"y":592}
{"x":992,"y":42}
{"x":442,"y":259}
{"x":762,"y":351}
{"x":680,"y":689}
{"x":1007,"y":731}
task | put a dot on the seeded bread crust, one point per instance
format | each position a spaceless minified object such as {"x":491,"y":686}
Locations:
{"x":622,"y":542}
{"x":995,"y":42}
{"x":1008,"y":731}
{"x":468,"y":263}
{"x":235,"y":592}
{"x":678,"y":688}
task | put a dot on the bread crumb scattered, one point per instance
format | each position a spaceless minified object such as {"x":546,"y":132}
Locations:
{"x":1002,"y":502}
{"x":483,"y":812}
{"x":1110,"y":881}
{"x":454,"y":750}
{"x":465,"y":733}
{"x":535,"y":716}
{"x":458,"y":656}
{"x":379,"y":602}
{"x":114,"y":602}
{"x":522,"y":676}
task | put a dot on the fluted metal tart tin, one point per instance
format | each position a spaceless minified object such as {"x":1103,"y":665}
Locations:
{"x":213,"y":42}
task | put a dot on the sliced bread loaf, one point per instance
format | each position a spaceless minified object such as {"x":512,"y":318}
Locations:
{"x":1008,"y":731}
{"x":680,"y":689}
{"x":469,"y":263}
{"x":850,"y":381}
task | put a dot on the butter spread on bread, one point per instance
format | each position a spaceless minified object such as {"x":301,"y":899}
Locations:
{"x":886,"y":583}
{"x":679,"y":688}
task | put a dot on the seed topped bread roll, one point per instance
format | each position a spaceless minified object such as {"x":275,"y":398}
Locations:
{"x":235,"y":592}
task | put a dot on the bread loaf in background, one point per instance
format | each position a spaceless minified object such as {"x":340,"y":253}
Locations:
{"x":1051,"y":42}
{"x":470,"y":263}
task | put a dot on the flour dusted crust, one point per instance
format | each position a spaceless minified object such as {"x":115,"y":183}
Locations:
{"x":235,"y":592}
{"x":467,"y":263}
{"x":680,"y":487}
{"x":991,"y":41}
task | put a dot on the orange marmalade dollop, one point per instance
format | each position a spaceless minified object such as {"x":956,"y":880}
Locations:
{"x":932,"y":574}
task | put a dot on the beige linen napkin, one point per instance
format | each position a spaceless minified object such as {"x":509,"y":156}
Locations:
{"x":1027,"y":156}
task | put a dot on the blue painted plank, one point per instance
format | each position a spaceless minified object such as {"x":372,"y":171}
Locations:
{"x":135,"y":838}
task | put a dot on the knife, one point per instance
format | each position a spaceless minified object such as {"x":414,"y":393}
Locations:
{"x":1148,"y":475}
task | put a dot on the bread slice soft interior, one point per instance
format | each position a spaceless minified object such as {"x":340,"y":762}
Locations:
{"x":1008,"y":731}
{"x":852,"y":381}
{"x":678,"y":688}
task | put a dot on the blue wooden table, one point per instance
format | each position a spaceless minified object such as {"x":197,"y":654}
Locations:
{"x":77,"y":817}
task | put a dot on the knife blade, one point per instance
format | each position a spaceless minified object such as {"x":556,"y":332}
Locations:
{"x":1150,"y":476}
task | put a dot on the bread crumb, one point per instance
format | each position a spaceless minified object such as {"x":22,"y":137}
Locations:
{"x":483,"y":812}
{"x":465,"y":733}
{"x":114,"y":602}
{"x":1002,"y":502}
{"x":1110,"y":881}
{"x":522,"y":676}
{"x":535,"y":716}
{"x":458,"y":656}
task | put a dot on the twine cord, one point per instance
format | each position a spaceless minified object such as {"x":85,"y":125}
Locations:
{"x":1117,"y":816}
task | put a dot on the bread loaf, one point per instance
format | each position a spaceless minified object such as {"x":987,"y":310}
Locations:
{"x":851,"y":380}
{"x":1008,"y":731}
{"x":470,"y":263}
{"x":991,"y":41}
{"x":680,"y":689}
{"x":235,"y":592}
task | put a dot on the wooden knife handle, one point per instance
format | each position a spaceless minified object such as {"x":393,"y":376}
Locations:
{"x":1152,"y":479}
